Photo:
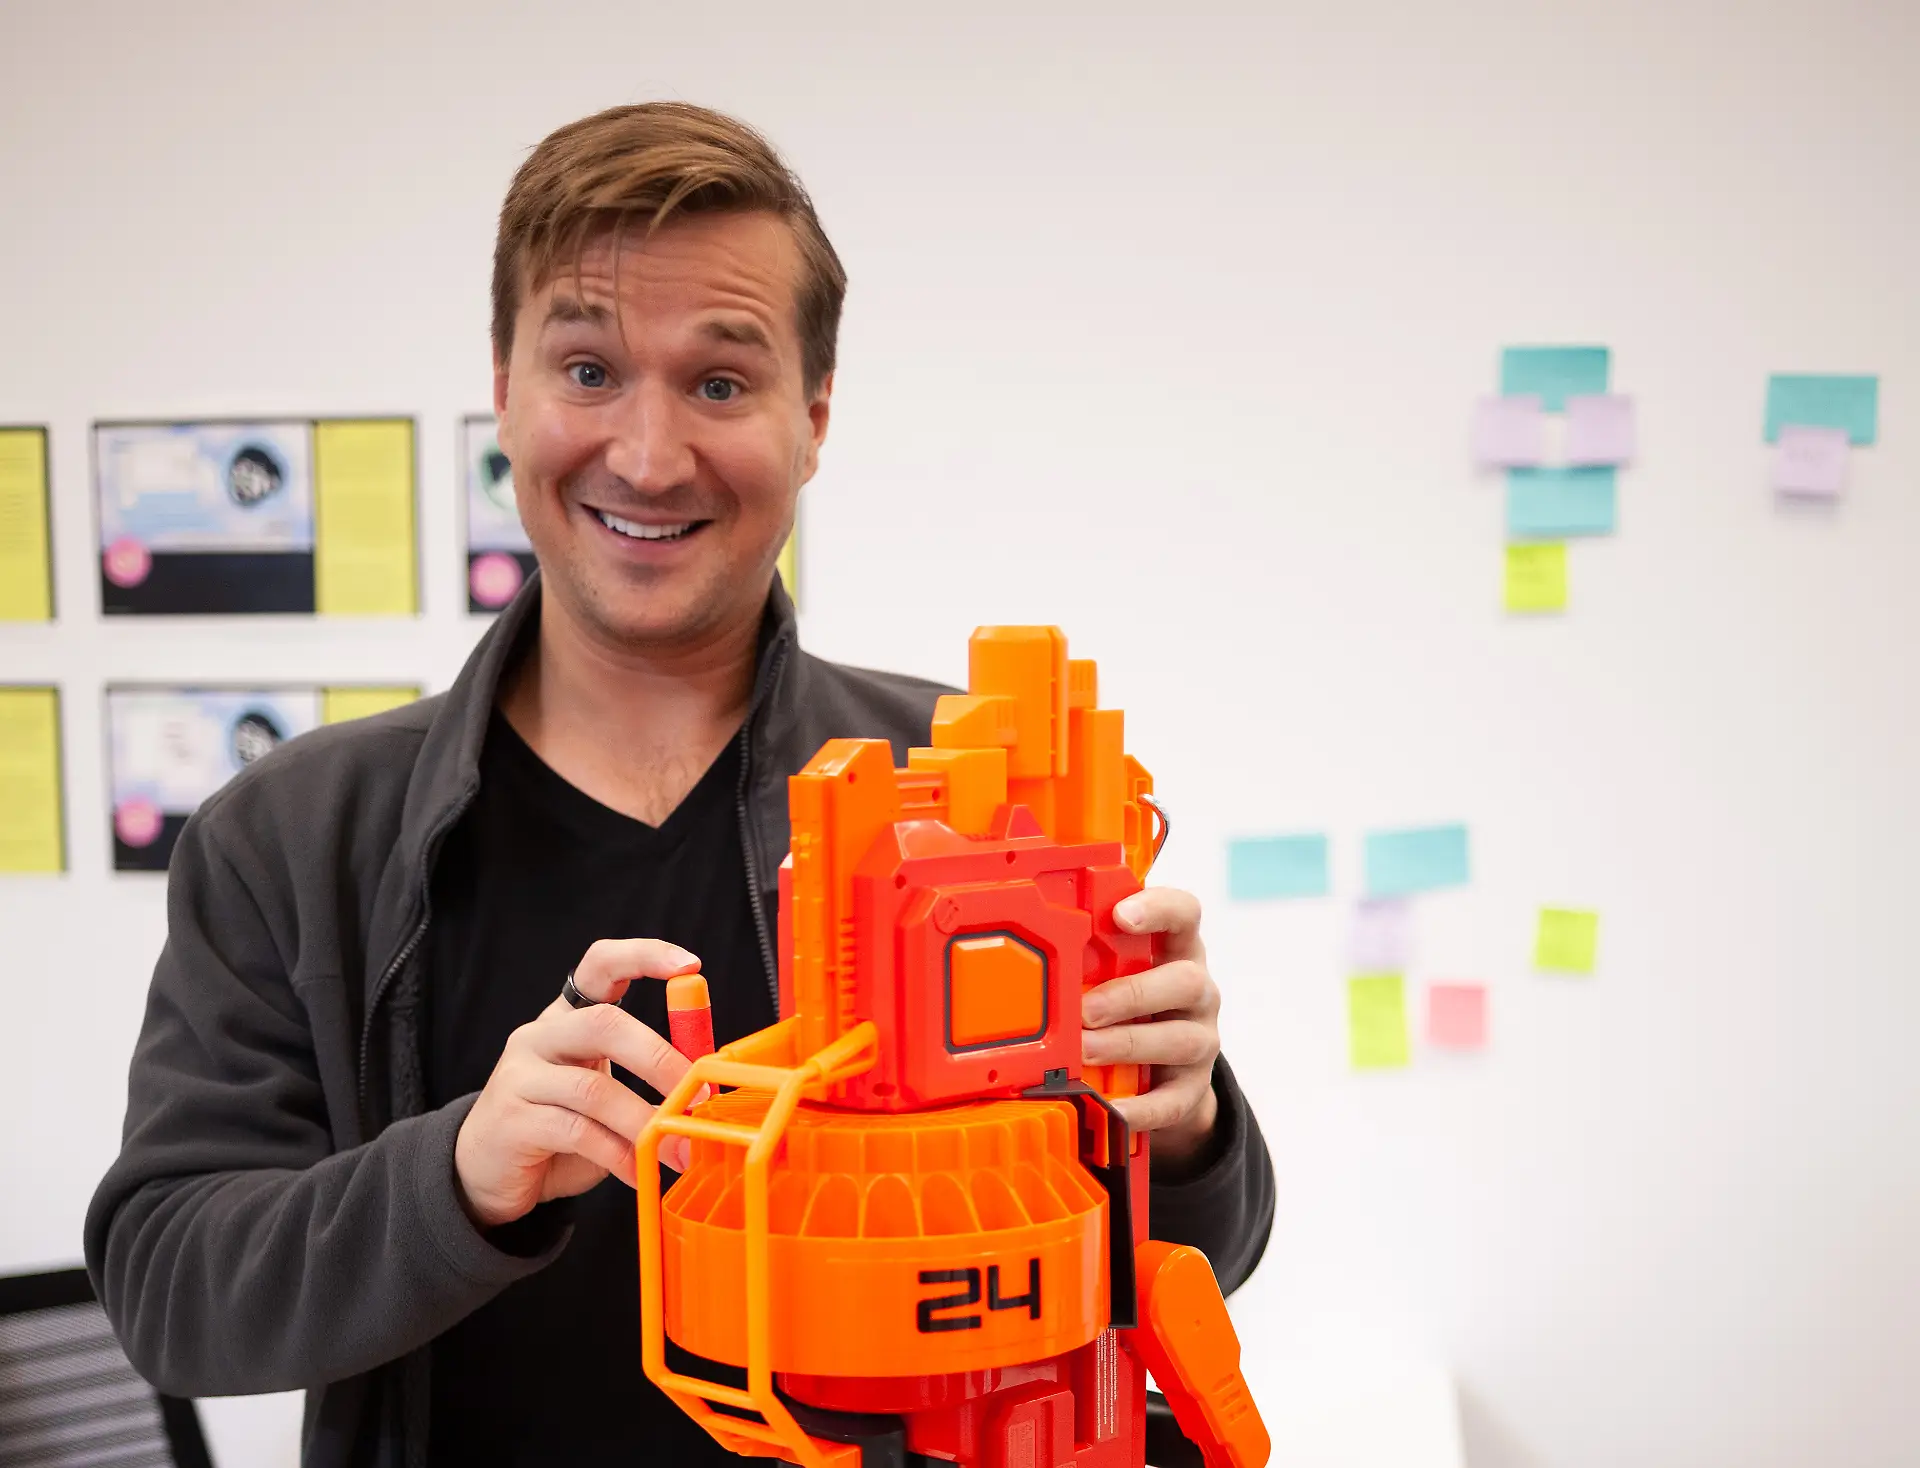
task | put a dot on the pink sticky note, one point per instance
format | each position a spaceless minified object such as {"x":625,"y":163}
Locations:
{"x":1457,"y":1016}
{"x":1509,"y":432}
{"x":1810,"y":460}
{"x":1600,"y":429}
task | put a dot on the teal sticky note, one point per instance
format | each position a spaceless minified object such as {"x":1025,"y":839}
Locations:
{"x":1277,"y":866}
{"x":1553,"y":503}
{"x":1419,"y":859}
{"x":1555,"y":373}
{"x":1805,"y":401}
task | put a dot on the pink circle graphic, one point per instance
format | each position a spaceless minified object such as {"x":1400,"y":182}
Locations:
{"x":127,"y":562}
{"x":137,"y":821}
{"x":494,"y":578}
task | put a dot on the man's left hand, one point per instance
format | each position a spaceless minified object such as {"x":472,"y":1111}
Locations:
{"x":1167,"y":1017}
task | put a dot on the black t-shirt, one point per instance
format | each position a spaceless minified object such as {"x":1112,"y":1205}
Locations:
{"x":548,"y":1372}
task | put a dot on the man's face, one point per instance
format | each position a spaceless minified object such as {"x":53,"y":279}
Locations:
{"x":659,"y":430}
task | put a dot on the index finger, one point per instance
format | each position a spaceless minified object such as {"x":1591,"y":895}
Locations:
{"x":611,"y":964}
{"x":1165,"y":910}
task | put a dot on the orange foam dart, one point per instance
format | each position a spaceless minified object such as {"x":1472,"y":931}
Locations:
{"x":690,"y":1016}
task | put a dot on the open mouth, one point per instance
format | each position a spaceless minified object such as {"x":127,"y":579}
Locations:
{"x":642,"y":530}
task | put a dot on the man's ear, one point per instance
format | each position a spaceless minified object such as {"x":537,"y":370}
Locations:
{"x":819,"y":410}
{"x":500,"y":404}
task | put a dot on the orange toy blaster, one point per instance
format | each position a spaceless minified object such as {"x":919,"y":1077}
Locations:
{"x":914,"y":1218}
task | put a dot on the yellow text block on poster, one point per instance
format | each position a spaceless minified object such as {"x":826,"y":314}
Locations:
{"x":337,"y":705}
{"x":1566,"y":941}
{"x":789,"y":563}
{"x":1537,"y":577}
{"x":26,"y":560}
{"x":1377,"y":1022}
{"x":30,"y":824}
{"x":363,"y":548}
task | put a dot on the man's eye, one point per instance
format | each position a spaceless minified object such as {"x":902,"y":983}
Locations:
{"x":719,"y":389}
{"x":588,"y":374}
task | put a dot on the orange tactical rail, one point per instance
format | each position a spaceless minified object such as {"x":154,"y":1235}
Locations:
{"x":909,"y":1211}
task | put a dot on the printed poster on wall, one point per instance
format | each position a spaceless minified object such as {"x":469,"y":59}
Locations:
{"x":32,"y":799}
{"x":294,"y":515}
{"x":171,"y":748}
{"x":499,"y":555}
{"x":26,"y":539}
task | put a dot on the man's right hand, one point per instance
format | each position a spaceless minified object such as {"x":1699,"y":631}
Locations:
{"x":552,"y":1121}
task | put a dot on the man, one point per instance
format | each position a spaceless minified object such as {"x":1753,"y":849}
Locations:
{"x":368,"y":1139}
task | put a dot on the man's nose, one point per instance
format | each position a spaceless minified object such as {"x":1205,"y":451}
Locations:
{"x":652,"y":449}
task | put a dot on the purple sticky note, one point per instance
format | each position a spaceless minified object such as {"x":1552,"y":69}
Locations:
{"x":1509,"y":433}
{"x":1811,"y":461}
{"x":1600,"y":429}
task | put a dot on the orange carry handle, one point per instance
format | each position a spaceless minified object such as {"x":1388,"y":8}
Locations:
{"x":1186,"y":1340}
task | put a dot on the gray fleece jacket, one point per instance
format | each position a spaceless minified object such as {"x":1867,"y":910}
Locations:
{"x":283,"y":1213}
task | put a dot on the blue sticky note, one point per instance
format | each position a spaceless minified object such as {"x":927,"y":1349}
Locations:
{"x":1416,"y":860}
{"x":1277,"y":866}
{"x":1555,"y":373}
{"x":1551,"y":504}
{"x":1852,"y":403}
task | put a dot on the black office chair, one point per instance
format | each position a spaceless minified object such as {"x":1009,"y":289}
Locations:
{"x":68,"y":1395}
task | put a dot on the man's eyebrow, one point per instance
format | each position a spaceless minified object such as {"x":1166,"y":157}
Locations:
{"x":739,"y":333}
{"x":568,"y":311}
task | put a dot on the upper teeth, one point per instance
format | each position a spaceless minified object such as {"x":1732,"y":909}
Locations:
{"x":643,"y":532}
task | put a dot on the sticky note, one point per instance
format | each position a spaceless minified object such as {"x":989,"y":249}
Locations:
{"x":1566,"y":941}
{"x":1551,"y":504}
{"x":1418,"y":859}
{"x":1509,"y":431}
{"x":1277,"y":866}
{"x":1600,"y":429}
{"x":337,"y":705}
{"x":1381,"y":938}
{"x":1457,"y":1016}
{"x":789,"y":563}
{"x":1377,"y":1022}
{"x":363,"y":518}
{"x":1555,"y":373}
{"x":1537,"y":577}
{"x":1852,"y":403}
{"x":31,"y":828}
{"x":1810,"y":461}
{"x":26,"y":561}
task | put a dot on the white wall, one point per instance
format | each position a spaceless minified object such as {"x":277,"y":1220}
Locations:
{"x":1166,"y":328}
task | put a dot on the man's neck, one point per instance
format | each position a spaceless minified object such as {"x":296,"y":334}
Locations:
{"x":634,"y":730}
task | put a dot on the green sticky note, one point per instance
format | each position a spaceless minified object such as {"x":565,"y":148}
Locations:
{"x":1566,"y":941}
{"x":1555,"y":373}
{"x":1377,"y":1022}
{"x":1537,"y":577}
{"x":1807,"y":401}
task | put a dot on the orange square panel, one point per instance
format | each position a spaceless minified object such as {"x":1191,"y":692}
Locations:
{"x":996,"y":991}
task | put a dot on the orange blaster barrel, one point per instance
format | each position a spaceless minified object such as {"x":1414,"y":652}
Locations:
{"x":909,"y":1212}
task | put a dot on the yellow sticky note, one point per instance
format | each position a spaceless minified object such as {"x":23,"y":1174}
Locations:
{"x":26,"y":565}
{"x":1377,"y":1022}
{"x":1537,"y":576}
{"x":337,"y":705}
{"x":1566,"y":941}
{"x":363,"y":548}
{"x":30,"y":824}
{"x":789,"y":563}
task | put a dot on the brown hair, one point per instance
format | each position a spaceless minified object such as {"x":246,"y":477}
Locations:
{"x":643,"y":164}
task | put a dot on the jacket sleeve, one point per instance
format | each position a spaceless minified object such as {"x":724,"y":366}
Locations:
{"x":1226,"y":1209}
{"x":233,"y":1248}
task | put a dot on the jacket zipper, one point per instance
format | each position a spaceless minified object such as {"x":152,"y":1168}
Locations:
{"x":747,"y":847}
{"x":414,"y":938}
